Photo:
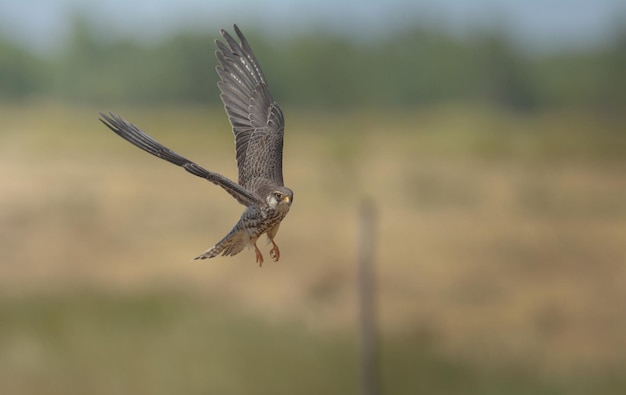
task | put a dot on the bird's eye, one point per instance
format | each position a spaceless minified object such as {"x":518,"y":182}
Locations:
{"x":278,"y":195}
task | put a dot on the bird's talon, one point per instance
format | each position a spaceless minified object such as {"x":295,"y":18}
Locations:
{"x":259,"y":256}
{"x":275,"y":252}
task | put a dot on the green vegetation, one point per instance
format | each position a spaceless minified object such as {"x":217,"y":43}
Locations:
{"x":415,"y":67}
{"x":160,"y":344}
{"x":166,"y":343}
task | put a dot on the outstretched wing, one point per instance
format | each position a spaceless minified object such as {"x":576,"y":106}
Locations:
{"x":257,"y":120}
{"x":139,"y":138}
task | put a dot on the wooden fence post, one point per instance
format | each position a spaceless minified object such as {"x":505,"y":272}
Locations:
{"x":367,"y":299}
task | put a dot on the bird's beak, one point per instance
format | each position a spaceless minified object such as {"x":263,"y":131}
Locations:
{"x":287,"y":199}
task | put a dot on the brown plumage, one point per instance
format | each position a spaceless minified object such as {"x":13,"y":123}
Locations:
{"x":258,"y":127}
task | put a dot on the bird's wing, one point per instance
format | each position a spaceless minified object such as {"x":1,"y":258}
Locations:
{"x":257,"y":120}
{"x":139,"y":138}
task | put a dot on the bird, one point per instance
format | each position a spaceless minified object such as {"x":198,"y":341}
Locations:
{"x":258,"y":127}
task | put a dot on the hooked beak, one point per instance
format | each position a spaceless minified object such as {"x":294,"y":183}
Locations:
{"x":287,"y":199}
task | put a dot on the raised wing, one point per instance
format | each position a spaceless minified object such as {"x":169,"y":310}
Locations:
{"x":257,"y":120}
{"x":139,"y":138}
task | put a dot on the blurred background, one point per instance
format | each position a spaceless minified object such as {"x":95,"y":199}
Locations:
{"x":491,"y":136}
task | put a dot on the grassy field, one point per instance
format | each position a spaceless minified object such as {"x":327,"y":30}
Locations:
{"x":501,"y":255}
{"x":167,"y":343}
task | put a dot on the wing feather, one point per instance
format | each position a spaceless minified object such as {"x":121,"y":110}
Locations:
{"x":140,"y":139}
{"x":257,"y":120}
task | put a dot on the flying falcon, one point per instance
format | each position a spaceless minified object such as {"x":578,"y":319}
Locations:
{"x":258,"y":126}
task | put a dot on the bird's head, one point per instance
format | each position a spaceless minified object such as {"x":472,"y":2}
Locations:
{"x":280,"y":199}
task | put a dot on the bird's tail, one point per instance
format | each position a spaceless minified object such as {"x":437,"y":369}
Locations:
{"x":232,"y":244}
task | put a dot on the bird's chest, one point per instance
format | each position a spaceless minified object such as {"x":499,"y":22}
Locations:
{"x":259,"y":220}
{"x":272,"y":217}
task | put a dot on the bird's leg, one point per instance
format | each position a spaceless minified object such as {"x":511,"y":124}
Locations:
{"x":274,"y":252}
{"x":259,"y":256}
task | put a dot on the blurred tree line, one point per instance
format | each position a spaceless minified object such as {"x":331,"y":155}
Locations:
{"x":418,"y":66}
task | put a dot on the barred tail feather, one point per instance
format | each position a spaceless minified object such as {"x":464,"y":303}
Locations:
{"x":232,"y":244}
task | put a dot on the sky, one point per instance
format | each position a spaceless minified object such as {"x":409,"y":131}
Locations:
{"x":43,"y":24}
